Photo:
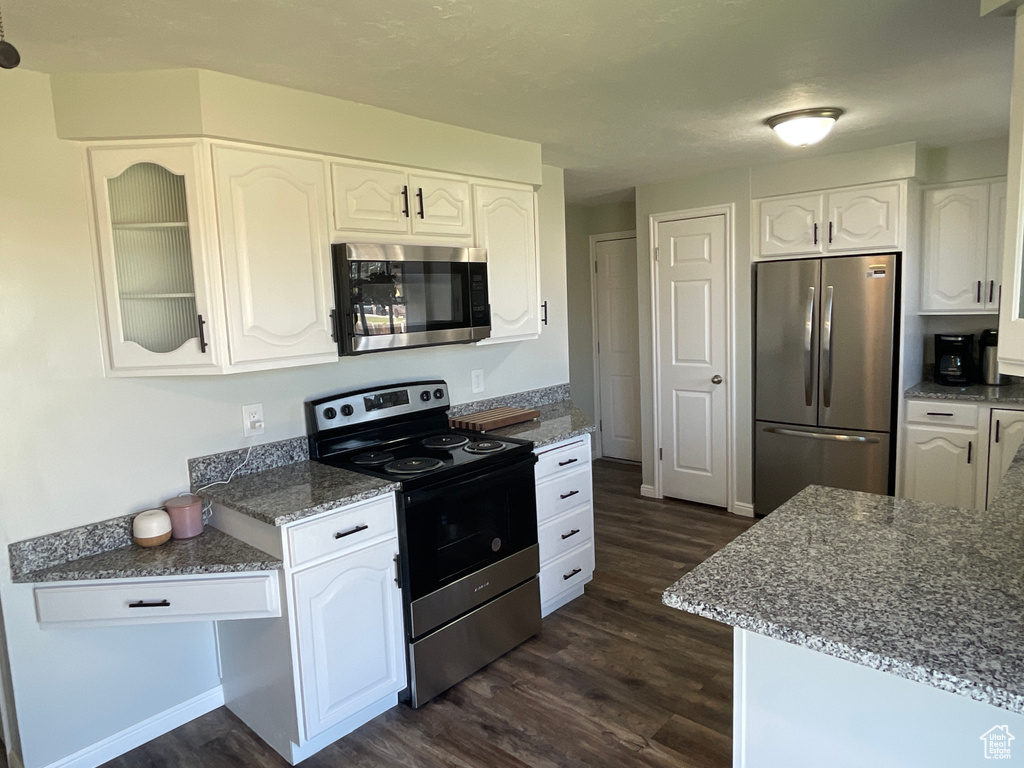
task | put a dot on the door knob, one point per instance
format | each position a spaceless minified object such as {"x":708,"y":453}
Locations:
{"x":716,"y":379}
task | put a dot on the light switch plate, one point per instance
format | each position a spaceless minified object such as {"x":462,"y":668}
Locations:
{"x":478,"y":380}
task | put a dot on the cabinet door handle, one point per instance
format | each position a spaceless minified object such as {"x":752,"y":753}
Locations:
{"x":202,"y":335}
{"x":568,"y":576}
{"x":970,"y":445}
{"x":978,"y":300}
{"x":334,"y":326}
{"x":830,"y":225}
{"x":571,"y":533}
{"x":567,"y":495}
{"x":398,"y":571}
{"x":936,"y":413}
{"x":815,"y":233}
{"x":405,"y":201}
{"x":419,"y":196}
{"x":544,"y":309}
{"x":566,"y":462}
{"x":150,"y":604}
{"x":991,"y":290}
{"x":997,"y":430}
{"x":350,"y":531}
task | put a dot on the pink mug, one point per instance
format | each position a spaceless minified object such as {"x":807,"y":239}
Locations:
{"x":186,"y":513}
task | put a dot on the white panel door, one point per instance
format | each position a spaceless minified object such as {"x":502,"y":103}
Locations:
{"x":1006,"y":433}
{"x":996,"y":240}
{"x":440,"y":206}
{"x":956,"y":225}
{"x":370,"y":198}
{"x":276,"y":254}
{"x":940,"y":465}
{"x":692,"y":349}
{"x":348,"y":615}
{"x":617,"y":348}
{"x":506,"y":226}
{"x":863,"y":219}
{"x":790,"y":226}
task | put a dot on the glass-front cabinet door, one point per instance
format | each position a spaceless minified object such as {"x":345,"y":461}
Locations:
{"x":152,"y":256}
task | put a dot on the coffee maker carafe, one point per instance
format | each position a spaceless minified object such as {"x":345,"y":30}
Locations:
{"x":954,"y":359}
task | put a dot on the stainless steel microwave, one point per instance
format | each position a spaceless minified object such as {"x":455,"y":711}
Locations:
{"x":401,"y":296}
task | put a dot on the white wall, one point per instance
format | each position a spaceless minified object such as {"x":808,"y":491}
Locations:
{"x":79,"y":447}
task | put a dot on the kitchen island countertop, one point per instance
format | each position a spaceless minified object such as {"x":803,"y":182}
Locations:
{"x":925,"y":592}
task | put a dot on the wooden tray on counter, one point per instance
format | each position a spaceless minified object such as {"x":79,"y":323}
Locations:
{"x":494,"y":418}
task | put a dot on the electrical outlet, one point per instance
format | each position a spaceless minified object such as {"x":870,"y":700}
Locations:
{"x":478,"y":380}
{"x":252,"y":419}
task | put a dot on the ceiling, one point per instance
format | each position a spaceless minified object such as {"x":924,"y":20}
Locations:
{"x":619,"y":93}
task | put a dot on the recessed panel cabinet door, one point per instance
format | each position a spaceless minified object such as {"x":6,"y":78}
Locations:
{"x":956,"y":225}
{"x":790,"y":226}
{"x":440,"y":206}
{"x":350,"y":635}
{"x":272,"y":211}
{"x":863,"y":219}
{"x":941,"y":466}
{"x":506,"y":225}
{"x":370,"y":198}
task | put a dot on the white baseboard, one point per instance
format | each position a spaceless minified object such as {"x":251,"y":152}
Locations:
{"x":138,"y":734}
{"x":742,"y":508}
{"x":648,"y":491}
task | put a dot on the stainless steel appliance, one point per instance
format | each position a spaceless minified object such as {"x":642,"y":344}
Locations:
{"x":824,"y":385}
{"x":396,"y":296}
{"x":954,"y":359}
{"x":467,"y":524}
{"x":988,"y":357}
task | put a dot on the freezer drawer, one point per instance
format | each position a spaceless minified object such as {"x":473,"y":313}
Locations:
{"x":789,"y":458}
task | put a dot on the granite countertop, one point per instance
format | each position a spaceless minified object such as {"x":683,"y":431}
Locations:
{"x":929,"y":593}
{"x":212,"y":551}
{"x":294,"y":491}
{"x":977,"y":393}
{"x":557,"y":422}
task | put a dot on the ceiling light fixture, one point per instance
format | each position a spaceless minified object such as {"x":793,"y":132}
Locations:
{"x":804,"y":126}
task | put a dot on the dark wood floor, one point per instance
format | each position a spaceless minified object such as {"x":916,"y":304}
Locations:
{"x":614,"y":679}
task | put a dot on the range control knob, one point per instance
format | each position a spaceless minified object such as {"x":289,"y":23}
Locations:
{"x":330,"y":413}
{"x":346,"y":410}
{"x":438,"y":393}
{"x":425,"y":396}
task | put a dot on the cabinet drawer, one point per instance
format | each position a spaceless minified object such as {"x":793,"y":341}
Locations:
{"x":342,"y":531}
{"x":563,"y":458}
{"x":570,"y":570}
{"x":942,"y":412}
{"x":147,"y":601}
{"x":566,"y":532}
{"x":559,"y":494}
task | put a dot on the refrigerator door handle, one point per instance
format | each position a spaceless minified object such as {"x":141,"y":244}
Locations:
{"x":826,"y":348}
{"x":822,"y":435}
{"x":808,"y":351}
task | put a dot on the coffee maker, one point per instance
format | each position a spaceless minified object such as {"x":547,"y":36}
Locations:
{"x":954,"y":359}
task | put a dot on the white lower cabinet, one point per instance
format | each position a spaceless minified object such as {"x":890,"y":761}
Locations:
{"x":565,"y":518}
{"x":940,"y":465}
{"x":336,"y":657}
{"x":1006,"y":433}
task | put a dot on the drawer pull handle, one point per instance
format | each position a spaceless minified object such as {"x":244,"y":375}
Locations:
{"x":567,"y":495}
{"x":936,"y":413}
{"x":571,"y":533}
{"x":350,"y":531}
{"x":568,"y":576}
{"x":567,"y":462}
{"x":144,"y":604}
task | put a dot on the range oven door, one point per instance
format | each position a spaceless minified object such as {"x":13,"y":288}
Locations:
{"x":395,"y":296}
{"x":468,"y":541}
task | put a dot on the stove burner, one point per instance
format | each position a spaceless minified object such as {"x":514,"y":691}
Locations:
{"x":372,"y":458}
{"x":484,"y":446}
{"x":413,"y":466}
{"x":444,"y":441}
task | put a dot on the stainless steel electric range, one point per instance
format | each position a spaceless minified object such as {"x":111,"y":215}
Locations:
{"x":467,"y":515}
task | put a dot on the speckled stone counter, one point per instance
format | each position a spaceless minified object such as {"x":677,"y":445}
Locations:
{"x":283,"y":494}
{"x":977,"y":393}
{"x":210,"y":552}
{"x":925,"y":592}
{"x":557,"y":422}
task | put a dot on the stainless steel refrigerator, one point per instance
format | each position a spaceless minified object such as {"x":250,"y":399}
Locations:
{"x":825,"y":333}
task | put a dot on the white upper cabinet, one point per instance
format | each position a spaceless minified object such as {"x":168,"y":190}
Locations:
{"x":272,"y":210}
{"x":158,"y":280}
{"x":387,"y":200}
{"x":962,"y":246}
{"x":853,"y":220}
{"x":506,"y":225}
